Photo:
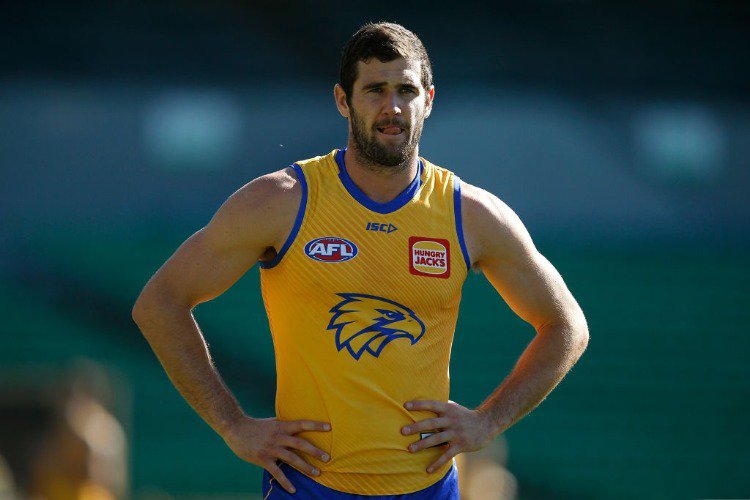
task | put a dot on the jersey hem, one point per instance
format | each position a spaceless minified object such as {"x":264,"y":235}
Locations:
{"x":310,"y":485}
{"x":374,"y":487}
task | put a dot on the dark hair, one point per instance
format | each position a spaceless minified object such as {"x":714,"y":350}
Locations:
{"x":386,"y":41}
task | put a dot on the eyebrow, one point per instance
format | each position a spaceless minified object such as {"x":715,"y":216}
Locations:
{"x":375,"y":85}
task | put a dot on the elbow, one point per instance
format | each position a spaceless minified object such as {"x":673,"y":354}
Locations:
{"x":580,"y":329}
{"x":583,"y":341}
{"x":138,"y":312}
{"x":153,"y":304}
{"x":570,"y":331}
{"x":145,"y":305}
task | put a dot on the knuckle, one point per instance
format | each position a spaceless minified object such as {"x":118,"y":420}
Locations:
{"x":312,"y":448}
{"x":306,"y":468}
{"x":270,"y":466}
{"x":296,"y":426}
{"x":297,"y":461}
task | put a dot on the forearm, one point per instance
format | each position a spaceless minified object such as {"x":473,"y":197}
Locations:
{"x":178,"y":343}
{"x":542,"y":365}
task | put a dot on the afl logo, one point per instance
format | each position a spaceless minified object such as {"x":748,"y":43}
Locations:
{"x":331,"y":249}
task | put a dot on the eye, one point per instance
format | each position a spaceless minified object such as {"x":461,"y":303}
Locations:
{"x":391,"y":314}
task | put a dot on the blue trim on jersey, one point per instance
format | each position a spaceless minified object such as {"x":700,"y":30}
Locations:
{"x":459,"y":222}
{"x":297,"y":221}
{"x":382,"y":208}
{"x":444,"y":489}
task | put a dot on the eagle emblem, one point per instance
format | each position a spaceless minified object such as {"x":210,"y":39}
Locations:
{"x":366,"y":323}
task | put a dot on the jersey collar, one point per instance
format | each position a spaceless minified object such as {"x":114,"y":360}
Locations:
{"x":382,"y":208}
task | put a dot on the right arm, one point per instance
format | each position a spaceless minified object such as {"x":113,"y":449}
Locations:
{"x":253,"y":222}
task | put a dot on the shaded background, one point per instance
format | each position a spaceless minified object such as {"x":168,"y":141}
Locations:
{"x":619,"y":134}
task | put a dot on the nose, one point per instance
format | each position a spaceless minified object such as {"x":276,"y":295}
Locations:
{"x":392,"y":105}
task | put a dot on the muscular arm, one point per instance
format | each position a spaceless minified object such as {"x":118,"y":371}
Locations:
{"x":249,"y":226}
{"x":252,"y":221}
{"x":501,"y":247}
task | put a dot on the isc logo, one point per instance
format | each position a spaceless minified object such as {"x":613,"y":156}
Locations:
{"x":331,"y":249}
{"x":380,"y":227}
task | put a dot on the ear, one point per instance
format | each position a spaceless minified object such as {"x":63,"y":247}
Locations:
{"x":340,"y":97}
{"x":430,"y":97}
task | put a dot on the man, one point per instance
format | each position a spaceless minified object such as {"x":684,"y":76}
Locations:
{"x":363,"y":253}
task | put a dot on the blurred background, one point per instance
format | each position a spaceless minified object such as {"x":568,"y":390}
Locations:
{"x":620,"y":133}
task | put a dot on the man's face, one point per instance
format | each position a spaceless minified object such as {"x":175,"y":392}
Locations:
{"x":387,"y":108}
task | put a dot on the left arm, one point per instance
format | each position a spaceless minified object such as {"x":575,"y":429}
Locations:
{"x":499,"y":244}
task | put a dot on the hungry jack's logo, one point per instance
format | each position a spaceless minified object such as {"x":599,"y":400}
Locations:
{"x":429,"y":257}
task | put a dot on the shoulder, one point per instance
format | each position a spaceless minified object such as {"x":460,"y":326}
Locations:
{"x":492,"y":230}
{"x":484,"y":207}
{"x":442,"y":174}
{"x":278,"y":188}
{"x":265,"y":207}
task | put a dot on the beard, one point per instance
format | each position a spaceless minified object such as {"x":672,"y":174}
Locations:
{"x":395,"y":155}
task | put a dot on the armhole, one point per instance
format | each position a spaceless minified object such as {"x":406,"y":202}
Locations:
{"x":297,"y":221}
{"x":459,"y":222}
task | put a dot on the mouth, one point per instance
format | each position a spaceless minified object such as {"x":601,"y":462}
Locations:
{"x":390,"y":130}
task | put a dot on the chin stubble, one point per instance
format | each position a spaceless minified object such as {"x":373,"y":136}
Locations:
{"x":378,"y":155}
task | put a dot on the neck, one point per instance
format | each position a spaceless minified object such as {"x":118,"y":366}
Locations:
{"x":380,"y":183}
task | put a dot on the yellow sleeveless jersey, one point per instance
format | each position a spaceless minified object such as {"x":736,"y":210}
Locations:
{"x":362,"y":301}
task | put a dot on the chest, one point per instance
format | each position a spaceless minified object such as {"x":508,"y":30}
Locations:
{"x":409,"y":256}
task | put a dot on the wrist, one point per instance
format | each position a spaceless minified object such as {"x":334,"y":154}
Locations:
{"x":491,"y":422}
{"x":228,"y":425}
